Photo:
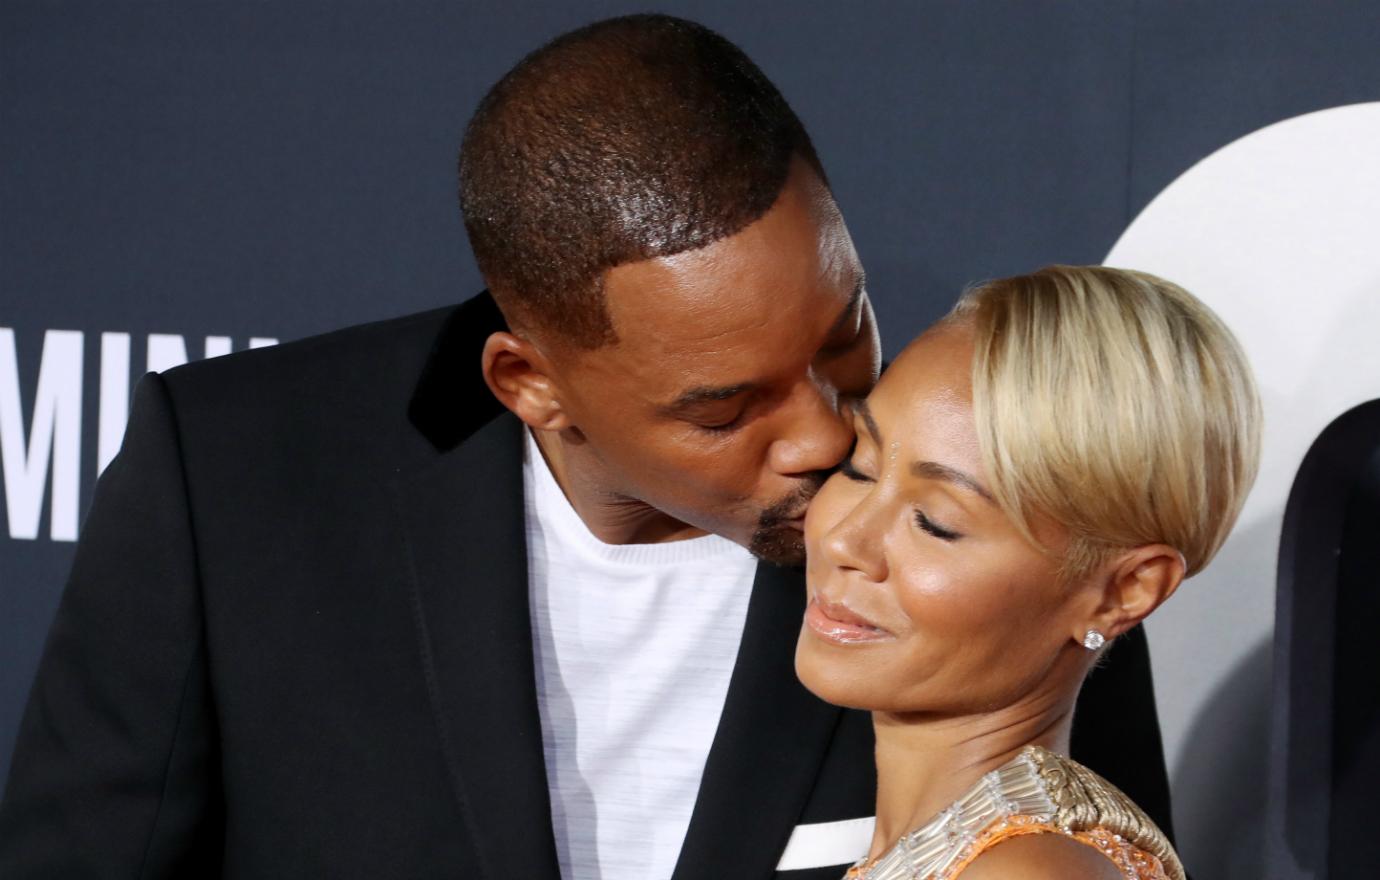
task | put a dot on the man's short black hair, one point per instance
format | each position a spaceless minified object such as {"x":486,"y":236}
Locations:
{"x":628,"y":139}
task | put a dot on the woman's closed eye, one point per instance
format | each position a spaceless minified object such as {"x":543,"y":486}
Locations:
{"x":847,"y":468}
{"x":934,"y":528}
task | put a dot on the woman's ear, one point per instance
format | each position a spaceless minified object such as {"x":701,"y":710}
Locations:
{"x":519,"y":375}
{"x":1134,"y":584}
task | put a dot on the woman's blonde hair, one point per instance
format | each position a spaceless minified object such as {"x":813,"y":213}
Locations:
{"x":1114,"y":403}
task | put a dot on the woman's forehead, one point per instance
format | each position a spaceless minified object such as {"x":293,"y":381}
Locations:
{"x":932,"y":374}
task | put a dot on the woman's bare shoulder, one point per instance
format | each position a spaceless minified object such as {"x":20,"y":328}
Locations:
{"x":1041,"y":857}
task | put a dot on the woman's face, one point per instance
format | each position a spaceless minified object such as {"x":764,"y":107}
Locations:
{"x":923,"y":596}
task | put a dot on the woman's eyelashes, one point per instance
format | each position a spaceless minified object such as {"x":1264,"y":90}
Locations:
{"x":934,"y":528}
{"x":847,"y":468}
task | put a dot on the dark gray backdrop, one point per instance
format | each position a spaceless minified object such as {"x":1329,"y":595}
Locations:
{"x":256,"y":169}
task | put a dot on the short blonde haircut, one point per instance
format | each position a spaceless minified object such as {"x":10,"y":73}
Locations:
{"x":1114,"y":403}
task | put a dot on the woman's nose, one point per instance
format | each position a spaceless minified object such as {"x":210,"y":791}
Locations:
{"x":855,"y":542}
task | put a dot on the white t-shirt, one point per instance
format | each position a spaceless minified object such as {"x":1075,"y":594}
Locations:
{"x":634,"y":646}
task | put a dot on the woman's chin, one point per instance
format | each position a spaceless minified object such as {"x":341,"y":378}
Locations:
{"x":837,"y":680}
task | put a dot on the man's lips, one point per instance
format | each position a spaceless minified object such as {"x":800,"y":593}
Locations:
{"x":834,"y":622}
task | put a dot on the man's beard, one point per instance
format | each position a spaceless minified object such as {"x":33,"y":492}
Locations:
{"x":775,"y":540}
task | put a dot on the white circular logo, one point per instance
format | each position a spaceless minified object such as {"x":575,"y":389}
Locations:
{"x":1279,"y":232}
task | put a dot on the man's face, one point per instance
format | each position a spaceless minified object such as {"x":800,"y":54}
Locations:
{"x":720,"y":403}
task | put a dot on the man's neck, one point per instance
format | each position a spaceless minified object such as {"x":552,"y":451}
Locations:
{"x":925,"y":763}
{"x":610,"y":516}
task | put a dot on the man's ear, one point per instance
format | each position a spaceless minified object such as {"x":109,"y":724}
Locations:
{"x":519,"y":375}
{"x":1132,"y":585}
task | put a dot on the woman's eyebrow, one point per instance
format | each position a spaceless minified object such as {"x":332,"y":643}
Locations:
{"x":933,"y":470}
{"x":860,"y":407}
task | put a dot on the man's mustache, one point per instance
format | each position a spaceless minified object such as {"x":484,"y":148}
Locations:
{"x":793,"y":505}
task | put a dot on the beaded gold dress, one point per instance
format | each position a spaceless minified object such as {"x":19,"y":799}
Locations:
{"x":1037,"y":792}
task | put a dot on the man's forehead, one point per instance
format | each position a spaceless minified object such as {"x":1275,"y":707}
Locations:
{"x":707,"y":357}
{"x":700,"y":301}
{"x":800,"y":242}
{"x":694,"y":311}
{"x":738,"y":310}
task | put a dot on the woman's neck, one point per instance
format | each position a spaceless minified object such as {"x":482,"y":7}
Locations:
{"x":925,"y":763}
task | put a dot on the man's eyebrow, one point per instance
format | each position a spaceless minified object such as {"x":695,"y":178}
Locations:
{"x":859,"y":287}
{"x":709,"y":394}
{"x":935,"y":471}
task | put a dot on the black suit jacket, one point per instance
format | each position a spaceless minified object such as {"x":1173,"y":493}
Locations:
{"x":296,"y":643}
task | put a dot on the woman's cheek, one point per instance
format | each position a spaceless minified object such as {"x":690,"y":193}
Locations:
{"x":938,"y":599}
{"x":828,"y":507}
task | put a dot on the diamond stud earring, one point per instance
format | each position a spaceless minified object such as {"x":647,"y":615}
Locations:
{"x":1094,"y":640}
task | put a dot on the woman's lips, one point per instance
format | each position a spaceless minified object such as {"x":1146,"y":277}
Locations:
{"x":833,"y":622}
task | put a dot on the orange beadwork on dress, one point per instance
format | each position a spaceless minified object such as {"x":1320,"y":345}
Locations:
{"x":1133,"y":863}
{"x":1037,"y":792}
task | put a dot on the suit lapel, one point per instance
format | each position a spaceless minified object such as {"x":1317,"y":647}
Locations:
{"x":462,"y":520}
{"x":767,"y":751}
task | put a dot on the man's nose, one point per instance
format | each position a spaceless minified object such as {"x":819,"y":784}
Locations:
{"x":817,"y":434}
